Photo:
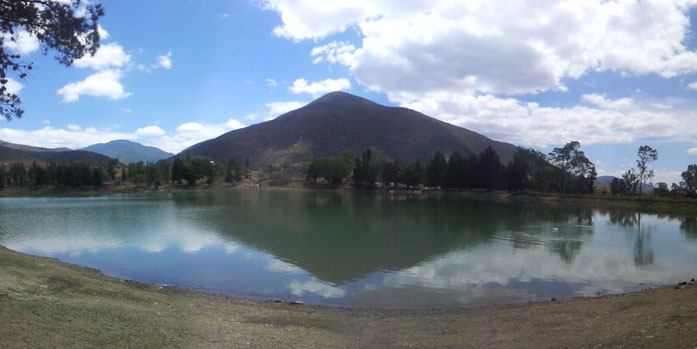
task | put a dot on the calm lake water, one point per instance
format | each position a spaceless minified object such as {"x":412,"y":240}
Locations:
{"x":357,"y":249}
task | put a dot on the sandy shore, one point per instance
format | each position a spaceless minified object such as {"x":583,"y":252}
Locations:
{"x":47,"y":303}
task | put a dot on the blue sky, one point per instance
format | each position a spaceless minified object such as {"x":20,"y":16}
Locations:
{"x":613,"y":75}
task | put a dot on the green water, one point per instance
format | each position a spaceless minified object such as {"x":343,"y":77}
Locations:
{"x":357,"y":249}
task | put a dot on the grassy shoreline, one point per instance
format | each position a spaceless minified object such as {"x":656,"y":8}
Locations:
{"x":48,"y":303}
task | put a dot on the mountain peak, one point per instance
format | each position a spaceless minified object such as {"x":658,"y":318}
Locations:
{"x":339,"y":98}
{"x":128,"y":151}
{"x":340,"y":121}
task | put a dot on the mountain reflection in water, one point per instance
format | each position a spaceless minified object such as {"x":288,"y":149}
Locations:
{"x":357,"y":249}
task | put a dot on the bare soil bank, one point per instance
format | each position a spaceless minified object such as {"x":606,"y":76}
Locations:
{"x":47,"y":303}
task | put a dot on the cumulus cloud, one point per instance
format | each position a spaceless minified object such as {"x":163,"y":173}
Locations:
{"x":277,"y":108}
{"x":271,"y":82}
{"x":165,"y":61}
{"x":603,"y":103}
{"x":692,"y":86}
{"x":107,"y":56}
{"x":529,"y":123}
{"x":102,"y":84}
{"x":22,"y":42}
{"x":190,"y":133}
{"x":150,"y":131}
{"x":692,"y":151}
{"x":234,"y":124}
{"x":103,"y":34}
{"x":13,"y":86}
{"x":450,"y":58}
{"x":319,"y":87}
{"x":334,"y":52}
{"x":73,"y":136}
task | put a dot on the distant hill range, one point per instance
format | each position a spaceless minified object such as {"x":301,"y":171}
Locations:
{"x":30,"y":148}
{"x":608,"y":179}
{"x":340,"y":121}
{"x":128,"y":152}
{"x":10,"y":155}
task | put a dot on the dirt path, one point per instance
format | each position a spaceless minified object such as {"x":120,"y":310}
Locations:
{"x":47,"y":303}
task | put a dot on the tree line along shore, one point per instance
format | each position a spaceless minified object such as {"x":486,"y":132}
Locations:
{"x":566,"y":170}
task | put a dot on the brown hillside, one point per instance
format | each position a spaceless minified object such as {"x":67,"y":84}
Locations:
{"x":340,"y":121}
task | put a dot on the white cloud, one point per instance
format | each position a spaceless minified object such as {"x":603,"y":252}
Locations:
{"x":76,"y":136}
{"x":103,"y":34}
{"x":277,"y":108}
{"x":102,"y":84}
{"x":107,"y":56}
{"x":73,"y":136}
{"x":692,"y":86}
{"x":464,"y":61}
{"x":526,"y":47}
{"x":271,"y":82}
{"x":667,"y":177}
{"x":692,"y":151}
{"x":165,"y":61}
{"x":319,"y":87}
{"x":13,"y":86}
{"x":150,"y":131}
{"x":22,"y":42}
{"x":603,"y":103}
{"x":528,"y":123}
{"x":190,"y":133}
{"x":234,"y":124}
{"x":334,"y":52}
{"x":251,"y":117}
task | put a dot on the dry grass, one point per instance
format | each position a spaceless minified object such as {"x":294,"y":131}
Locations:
{"x":47,"y":303}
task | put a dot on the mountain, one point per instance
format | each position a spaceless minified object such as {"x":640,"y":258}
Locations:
{"x":605,"y":179}
{"x":8,"y":155}
{"x":127,"y":151}
{"x":608,"y":179}
{"x":340,"y":121}
{"x":30,"y":148}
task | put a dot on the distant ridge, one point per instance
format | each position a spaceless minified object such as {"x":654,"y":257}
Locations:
{"x":608,"y":179}
{"x":10,"y":155}
{"x":340,"y":121}
{"x":127,"y":151}
{"x":30,"y":148}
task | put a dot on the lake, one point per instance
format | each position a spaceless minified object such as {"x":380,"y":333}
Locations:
{"x":357,"y":249}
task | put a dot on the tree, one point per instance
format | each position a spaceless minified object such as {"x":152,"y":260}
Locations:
{"x":368,"y":167}
{"x":178,"y":170}
{"x":436,"y":171}
{"x":334,"y":170}
{"x":412,"y":175}
{"x":690,"y":181}
{"x":490,"y":170}
{"x":455,"y":177}
{"x":517,"y":171}
{"x":574,"y":166}
{"x":645,"y":155}
{"x":661,"y":190}
{"x":111,"y":169}
{"x":233,"y":172}
{"x":56,"y":25}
